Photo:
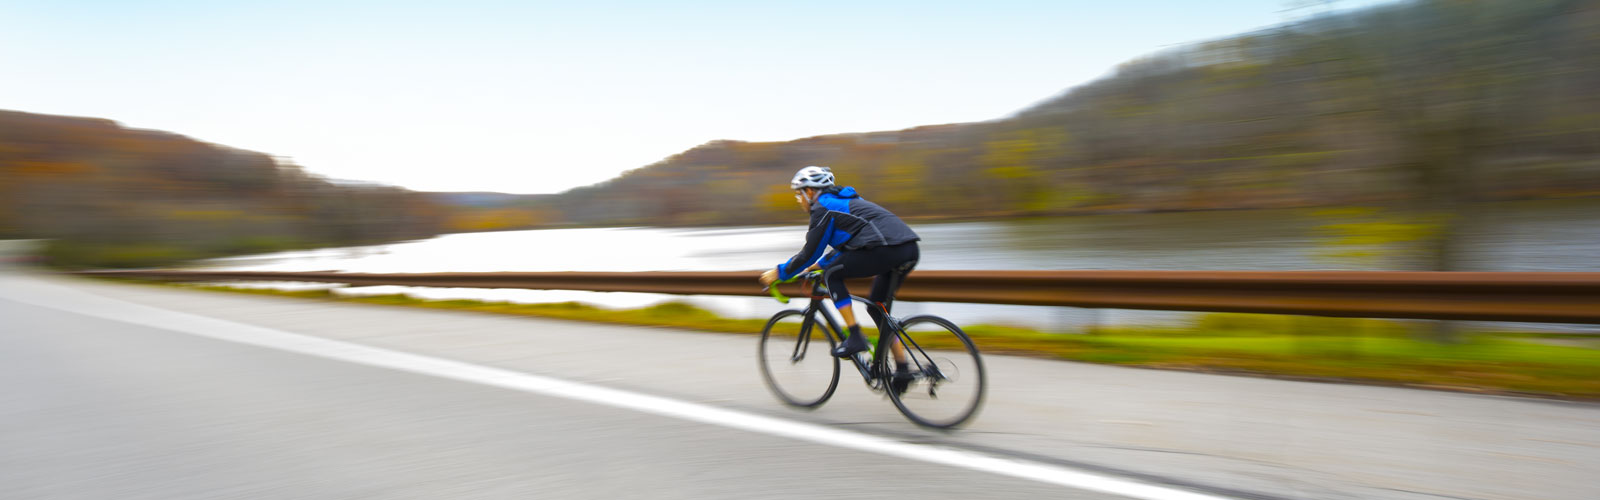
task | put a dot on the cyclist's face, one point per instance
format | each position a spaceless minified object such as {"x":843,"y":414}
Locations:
{"x":800,"y":196}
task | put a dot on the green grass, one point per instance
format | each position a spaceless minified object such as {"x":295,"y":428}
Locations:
{"x":1351,"y":350}
{"x":1481,"y":363}
{"x":1478,"y":349}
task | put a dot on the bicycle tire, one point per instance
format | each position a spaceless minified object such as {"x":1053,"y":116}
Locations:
{"x":957,"y":365}
{"x":785,"y":381}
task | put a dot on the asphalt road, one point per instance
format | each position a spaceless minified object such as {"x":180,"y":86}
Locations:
{"x":124,"y":391}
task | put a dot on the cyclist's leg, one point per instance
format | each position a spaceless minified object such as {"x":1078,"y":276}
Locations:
{"x":846,"y":266}
{"x":853,"y":264}
{"x":902,"y":259}
{"x":834,"y":277}
{"x":877,"y":262}
{"x":884,"y":286}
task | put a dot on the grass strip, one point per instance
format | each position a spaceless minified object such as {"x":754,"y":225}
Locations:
{"x":1328,"y":349}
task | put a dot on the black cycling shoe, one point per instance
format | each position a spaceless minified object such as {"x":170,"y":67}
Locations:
{"x":900,"y":381}
{"x":851,"y":345}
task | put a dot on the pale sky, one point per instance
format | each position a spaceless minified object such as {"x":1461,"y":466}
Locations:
{"x":540,"y":97}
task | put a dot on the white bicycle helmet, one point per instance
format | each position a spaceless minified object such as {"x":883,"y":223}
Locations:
{"x":812,"y":177}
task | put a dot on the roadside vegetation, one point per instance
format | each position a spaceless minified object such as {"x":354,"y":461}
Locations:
{"x":1332,"y":349}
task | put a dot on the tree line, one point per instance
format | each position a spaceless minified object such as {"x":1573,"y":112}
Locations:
{"x":1425,"y":106}
{"x":109,"y":196}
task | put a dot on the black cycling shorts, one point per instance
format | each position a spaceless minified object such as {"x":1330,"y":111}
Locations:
{"x":889,"y":264}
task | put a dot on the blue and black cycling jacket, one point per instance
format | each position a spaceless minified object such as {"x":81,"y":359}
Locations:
{"x":842,"y":220}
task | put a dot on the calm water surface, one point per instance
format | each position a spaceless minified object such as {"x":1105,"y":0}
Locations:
{"x":1542,"y":236}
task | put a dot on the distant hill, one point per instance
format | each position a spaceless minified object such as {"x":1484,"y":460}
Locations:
{"x":486,"y":211}
{"x":1423,"y":103}
{"x":109,"y":196}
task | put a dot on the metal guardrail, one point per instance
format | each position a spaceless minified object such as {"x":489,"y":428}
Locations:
{"x":1546,"y":297}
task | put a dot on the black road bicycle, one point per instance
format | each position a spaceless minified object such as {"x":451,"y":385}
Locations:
{"x":947,"y":382}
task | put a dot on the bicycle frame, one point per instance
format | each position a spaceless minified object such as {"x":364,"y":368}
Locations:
{"x":821,"y":301}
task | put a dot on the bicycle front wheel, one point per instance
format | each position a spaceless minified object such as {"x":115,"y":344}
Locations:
{"x":948,"y":383}
{"x":796,"y":359}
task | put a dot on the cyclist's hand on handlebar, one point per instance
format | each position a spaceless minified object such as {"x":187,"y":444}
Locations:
{"x":768,"y":277}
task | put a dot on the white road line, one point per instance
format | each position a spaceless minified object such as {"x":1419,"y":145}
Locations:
{"x":117,"y":310}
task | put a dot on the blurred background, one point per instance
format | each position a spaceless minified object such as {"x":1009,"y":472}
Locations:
{"x":1411,"y":124}
{"x":1414,"y":135}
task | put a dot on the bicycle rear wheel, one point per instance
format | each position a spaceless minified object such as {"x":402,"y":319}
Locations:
{"x":796,"y":359}
{"x":949,"y":384}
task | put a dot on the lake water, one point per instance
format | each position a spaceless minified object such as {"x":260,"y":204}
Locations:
{"x":1534,"y":236}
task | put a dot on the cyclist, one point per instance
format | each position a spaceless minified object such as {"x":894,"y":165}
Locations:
{"x":867,"y":240}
